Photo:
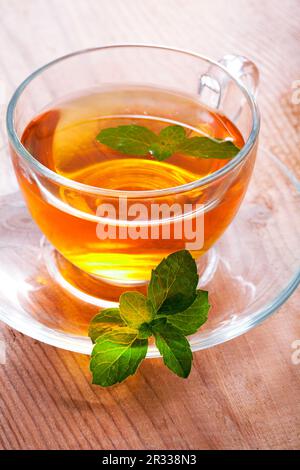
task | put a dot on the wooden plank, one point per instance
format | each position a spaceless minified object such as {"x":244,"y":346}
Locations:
{"x":243,"y":394}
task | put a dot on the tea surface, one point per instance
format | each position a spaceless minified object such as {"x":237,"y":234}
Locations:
{"x":63,"y":138}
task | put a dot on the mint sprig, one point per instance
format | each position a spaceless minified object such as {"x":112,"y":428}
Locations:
{"x":139,"y":140}
{"x":173,"y":309}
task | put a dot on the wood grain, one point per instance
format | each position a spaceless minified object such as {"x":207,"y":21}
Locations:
{"x":243,"y":394}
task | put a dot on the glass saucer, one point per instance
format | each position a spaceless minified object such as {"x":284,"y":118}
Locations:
{"x":249,"y":273}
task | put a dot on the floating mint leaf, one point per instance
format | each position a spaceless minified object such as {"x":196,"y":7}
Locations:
{"x":135,"y":309}
{"x":103,"y":321}
{"x":116,"y":355}
{"x":190,"y":320}
{"x":172,"y":135}
{"x":133,"y":140}
{"x":204,"y":147}
{"x":139,"y":140}
{"x":168,"y":141}
{"x":173,"y":283}
{"x":175,"y":349}
{"x":160,"y":152}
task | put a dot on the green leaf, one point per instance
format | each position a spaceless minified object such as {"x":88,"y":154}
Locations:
{"x":116,"y":355}
{"x":168,"y":141}
{"x":172,"y":310}
{"x":135,"y":309}
{"x":160,"y":152}
{"x":175,"y":349}
{"x":172,"y":135}
{"x":103,"y":321}
{"x":133,"y":140}
{"x":190,"y":320}
{"x":145,"y":331}
{"x":204,"y":147}
{"x":158,"y":322}
{"x":173,"y":283}
{"x":139,"y":140}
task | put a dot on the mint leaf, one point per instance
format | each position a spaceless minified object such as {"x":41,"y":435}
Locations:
{"x":172,"y":309}
{"x":145,"y":331}
{"x":172,"y":135}
{"x":135,"y":309}
{"x":116,"y":355}
{"x":139,"y":140}
{"x":133,"y":140}
{"x":173,"y":283}
{"x":204,"y":147}
{"x":160,"y":152}
{"x":175,"y":349}
{"x":168,"y":141}
{"x":190,"y":320}
{"x":158,"y":322}
{"x":103,"y":321}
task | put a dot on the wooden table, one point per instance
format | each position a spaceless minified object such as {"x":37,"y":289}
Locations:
{"x":243,"y":394}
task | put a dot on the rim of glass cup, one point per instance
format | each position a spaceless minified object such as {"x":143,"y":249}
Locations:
{"x":72,"y":184}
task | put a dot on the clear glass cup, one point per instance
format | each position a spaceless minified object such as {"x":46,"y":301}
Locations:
{"x":227,"y":86}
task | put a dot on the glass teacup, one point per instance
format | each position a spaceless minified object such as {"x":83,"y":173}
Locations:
{"x":112,"y":235}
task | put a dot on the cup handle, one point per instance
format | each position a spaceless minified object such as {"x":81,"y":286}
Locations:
{"x":242,"y":69}
{"x":213,"y":86}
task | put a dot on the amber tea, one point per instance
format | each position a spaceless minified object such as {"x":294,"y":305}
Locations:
{"x":64,"y":139}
